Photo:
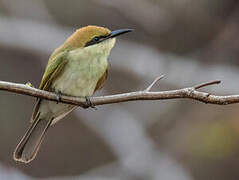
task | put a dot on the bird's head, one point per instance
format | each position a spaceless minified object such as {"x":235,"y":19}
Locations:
{"x":93,"y":35}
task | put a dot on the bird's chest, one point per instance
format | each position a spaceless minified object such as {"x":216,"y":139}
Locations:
{"x":80,"y":76}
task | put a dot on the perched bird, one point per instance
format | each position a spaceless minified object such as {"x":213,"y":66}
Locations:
{"x":76,"y":68}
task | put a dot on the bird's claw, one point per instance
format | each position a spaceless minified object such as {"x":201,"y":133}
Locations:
{"x":89,"y":103}
{"x":58,"y":96}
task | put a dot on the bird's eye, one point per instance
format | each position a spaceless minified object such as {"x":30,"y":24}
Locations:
{"x":96,"y":39}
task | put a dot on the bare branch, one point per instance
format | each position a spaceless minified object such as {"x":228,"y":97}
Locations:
{"x":206,"y":84}
{"x":189,"y":93}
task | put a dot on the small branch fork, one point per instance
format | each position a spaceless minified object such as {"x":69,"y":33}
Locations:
{"x":147,"y":94}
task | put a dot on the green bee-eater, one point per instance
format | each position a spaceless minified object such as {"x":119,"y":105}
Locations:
{"x":76,"y":68}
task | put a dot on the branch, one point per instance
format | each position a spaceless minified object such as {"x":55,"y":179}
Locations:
{"x":189,"y":93}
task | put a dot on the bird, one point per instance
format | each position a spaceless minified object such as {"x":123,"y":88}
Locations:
{"x":78,"y":67}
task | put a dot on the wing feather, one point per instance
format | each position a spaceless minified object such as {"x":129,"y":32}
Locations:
{"x":101,"y":81}
{"x":53,"y":70}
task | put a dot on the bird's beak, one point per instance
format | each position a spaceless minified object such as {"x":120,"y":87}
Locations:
{"x":115,"y":33}
{"x":119,"y":32}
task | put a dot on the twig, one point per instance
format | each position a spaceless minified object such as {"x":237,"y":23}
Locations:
{"x":154,"y":82}
{"x":206,"y":84}
{"x":189,"y":93}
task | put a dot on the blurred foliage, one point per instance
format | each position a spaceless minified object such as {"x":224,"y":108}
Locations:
{"x":215,"y":140}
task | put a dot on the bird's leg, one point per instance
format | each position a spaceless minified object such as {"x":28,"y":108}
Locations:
{"x":58,"y":96}
{"x":89,"y":103}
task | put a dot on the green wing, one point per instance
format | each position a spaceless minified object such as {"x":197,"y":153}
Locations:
{"x":53,"y":69}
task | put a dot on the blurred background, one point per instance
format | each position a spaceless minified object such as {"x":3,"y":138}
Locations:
{"x":189,"y":41}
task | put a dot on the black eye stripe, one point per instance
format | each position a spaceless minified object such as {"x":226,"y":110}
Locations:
{"x":95,"y":40}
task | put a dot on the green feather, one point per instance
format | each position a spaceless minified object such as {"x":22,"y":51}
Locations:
{"x":53,"y":69}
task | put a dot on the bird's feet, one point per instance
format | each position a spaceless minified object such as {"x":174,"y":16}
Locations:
{"x":58,"y":96}
{"x":89,"y":103}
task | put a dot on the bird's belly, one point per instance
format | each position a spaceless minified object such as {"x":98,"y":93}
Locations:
{"x":80,"y":77}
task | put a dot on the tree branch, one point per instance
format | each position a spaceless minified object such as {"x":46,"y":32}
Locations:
{"x":189,"y":93}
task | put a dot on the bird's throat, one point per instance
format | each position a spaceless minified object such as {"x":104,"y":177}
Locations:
{"x":84,"y":69}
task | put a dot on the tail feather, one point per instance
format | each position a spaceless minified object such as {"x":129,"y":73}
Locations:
{"x":29,"y":145}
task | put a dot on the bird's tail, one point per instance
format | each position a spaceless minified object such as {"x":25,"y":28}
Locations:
{"x":29,"y":145}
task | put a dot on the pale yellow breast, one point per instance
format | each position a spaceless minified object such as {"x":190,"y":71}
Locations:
{"x":84,"y":69}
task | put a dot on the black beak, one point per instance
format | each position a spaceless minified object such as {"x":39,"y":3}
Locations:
{"x":111,"y":35}
{"x":119,"y":32}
